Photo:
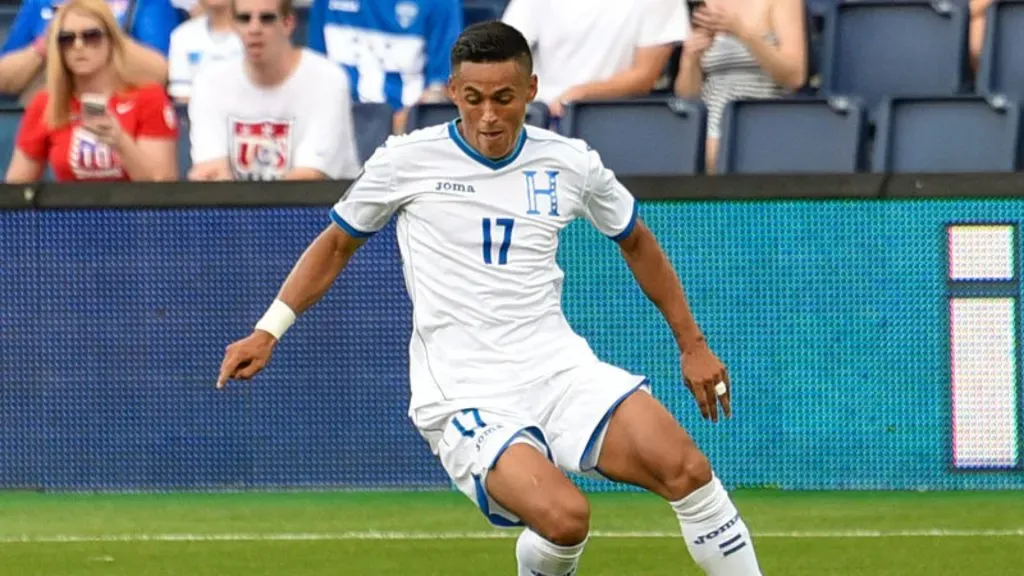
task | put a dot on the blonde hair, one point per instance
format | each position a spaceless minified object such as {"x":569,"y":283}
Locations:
{"x":59,"y":83}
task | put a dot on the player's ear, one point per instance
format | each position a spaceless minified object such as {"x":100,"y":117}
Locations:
{"x":451,"y":86}
{"x":532,"y":92}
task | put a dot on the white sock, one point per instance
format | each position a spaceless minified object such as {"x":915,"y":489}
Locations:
{"x":716,"y":536}
{"x":538,"y":557}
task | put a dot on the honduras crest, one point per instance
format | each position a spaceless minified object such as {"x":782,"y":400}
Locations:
{"x":406,"y":13}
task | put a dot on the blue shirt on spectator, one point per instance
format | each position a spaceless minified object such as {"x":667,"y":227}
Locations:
{"x":391,"y":49}
{"x":151,"y":25}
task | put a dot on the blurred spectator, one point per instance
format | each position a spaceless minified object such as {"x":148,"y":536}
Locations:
{"x":281,"y":112}
{"x":23,"y":54}
{"x":742,"y":50}
{"x":90,"y":123}
{"x":393,"y":51}
{"x":199,"y":41}
{"x":979,"y":10}
{"x":193,"y":7}
{"x":596,"y":49}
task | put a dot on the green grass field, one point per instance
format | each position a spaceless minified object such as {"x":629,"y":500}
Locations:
{"x":420,"y":534}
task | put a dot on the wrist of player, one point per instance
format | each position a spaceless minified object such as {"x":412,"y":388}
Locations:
{"x":690,"y":341}
{"x":278,"y":318}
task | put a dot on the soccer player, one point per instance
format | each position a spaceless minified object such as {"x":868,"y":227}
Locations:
{"x":505,"y":393}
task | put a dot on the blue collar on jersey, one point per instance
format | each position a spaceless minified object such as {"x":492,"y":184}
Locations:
{"x":453,"y":132}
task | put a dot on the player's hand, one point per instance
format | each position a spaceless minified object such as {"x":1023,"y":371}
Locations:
{"x":245,"y":358}
{"x":702,"y":371}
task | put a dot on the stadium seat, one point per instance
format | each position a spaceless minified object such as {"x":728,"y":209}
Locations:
{"x":642,"y":137}
{"x":792,"y":136}
{"x":423,"y":115}
{"x":373,"y":123}
{"x":7,"y":14}
{"x":952,"y":134}
{"x":1002,"y":59}
{"x":184,"y":144}
{"x":537,"y":114}
{"x":877,"y":48}
{"x":10,"y":118}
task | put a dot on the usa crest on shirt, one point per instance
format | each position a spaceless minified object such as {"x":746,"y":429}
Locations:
{"x":89,"y":158}
{"x":260,"y":149}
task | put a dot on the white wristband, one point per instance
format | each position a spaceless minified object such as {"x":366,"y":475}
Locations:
{"x":278,"y":319}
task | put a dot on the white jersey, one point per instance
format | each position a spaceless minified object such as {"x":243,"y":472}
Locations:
{"x":579,"y":41}
{"x":194,"y":45}
{"x":265,"y":132}
{"x":478,"y":240}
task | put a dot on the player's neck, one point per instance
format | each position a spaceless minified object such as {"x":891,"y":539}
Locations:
{"x":219,"y":19}
{"x":460,"y":127}
{"x":275,"y":71}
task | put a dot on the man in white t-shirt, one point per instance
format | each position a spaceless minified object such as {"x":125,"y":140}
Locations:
{"x":280,"y":113}
{"x":506,"y":394}
{"x":199,"y":41}
{"x":594,"y":49}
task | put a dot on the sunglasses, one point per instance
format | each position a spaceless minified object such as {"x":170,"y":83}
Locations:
{"x":90,"y":37}
{"x":265,"y":18}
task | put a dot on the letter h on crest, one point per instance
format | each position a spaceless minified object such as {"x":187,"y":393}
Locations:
{"x":551,"y":191}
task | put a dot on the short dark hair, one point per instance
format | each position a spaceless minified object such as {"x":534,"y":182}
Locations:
{"x":491,"y":41}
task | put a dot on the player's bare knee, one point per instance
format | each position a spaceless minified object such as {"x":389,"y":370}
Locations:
{"x":565,"y":520}
{"x":686,"y":472}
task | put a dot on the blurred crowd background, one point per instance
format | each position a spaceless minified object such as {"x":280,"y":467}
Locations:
{"x":156,"y":90}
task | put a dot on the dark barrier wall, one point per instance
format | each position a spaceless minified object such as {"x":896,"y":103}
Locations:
{"x":830,"y":307}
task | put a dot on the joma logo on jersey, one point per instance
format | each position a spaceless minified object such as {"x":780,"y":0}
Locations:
{"x":454,"y":187}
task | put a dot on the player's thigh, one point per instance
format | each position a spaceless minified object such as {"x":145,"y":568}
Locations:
{"x":528,"y":484}
{"x":583,"y":402}
{"x":501,"y":461}
{"x":645,"y":446}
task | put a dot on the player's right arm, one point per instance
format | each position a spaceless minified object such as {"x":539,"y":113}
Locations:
{"x":364,"y":209}
{"x":308,"y":281}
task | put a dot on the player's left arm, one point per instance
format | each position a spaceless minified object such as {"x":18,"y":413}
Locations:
{"x":655,"y":275}
{"x":614,"y":211}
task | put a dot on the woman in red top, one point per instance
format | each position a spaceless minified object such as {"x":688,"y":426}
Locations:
{"x":127,"y":133}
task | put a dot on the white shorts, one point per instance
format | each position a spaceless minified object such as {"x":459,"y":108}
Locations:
{"x":564,"y":418}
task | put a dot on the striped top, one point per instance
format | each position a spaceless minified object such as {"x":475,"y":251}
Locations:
{"x":731,"y":72}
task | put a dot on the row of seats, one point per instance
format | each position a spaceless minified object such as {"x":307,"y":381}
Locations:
{"x":879,"y":48}
{"x":665,"y":136}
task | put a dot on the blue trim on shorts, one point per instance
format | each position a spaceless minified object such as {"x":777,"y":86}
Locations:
{"x":602,"y":424}
{"x":481,"y":492}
